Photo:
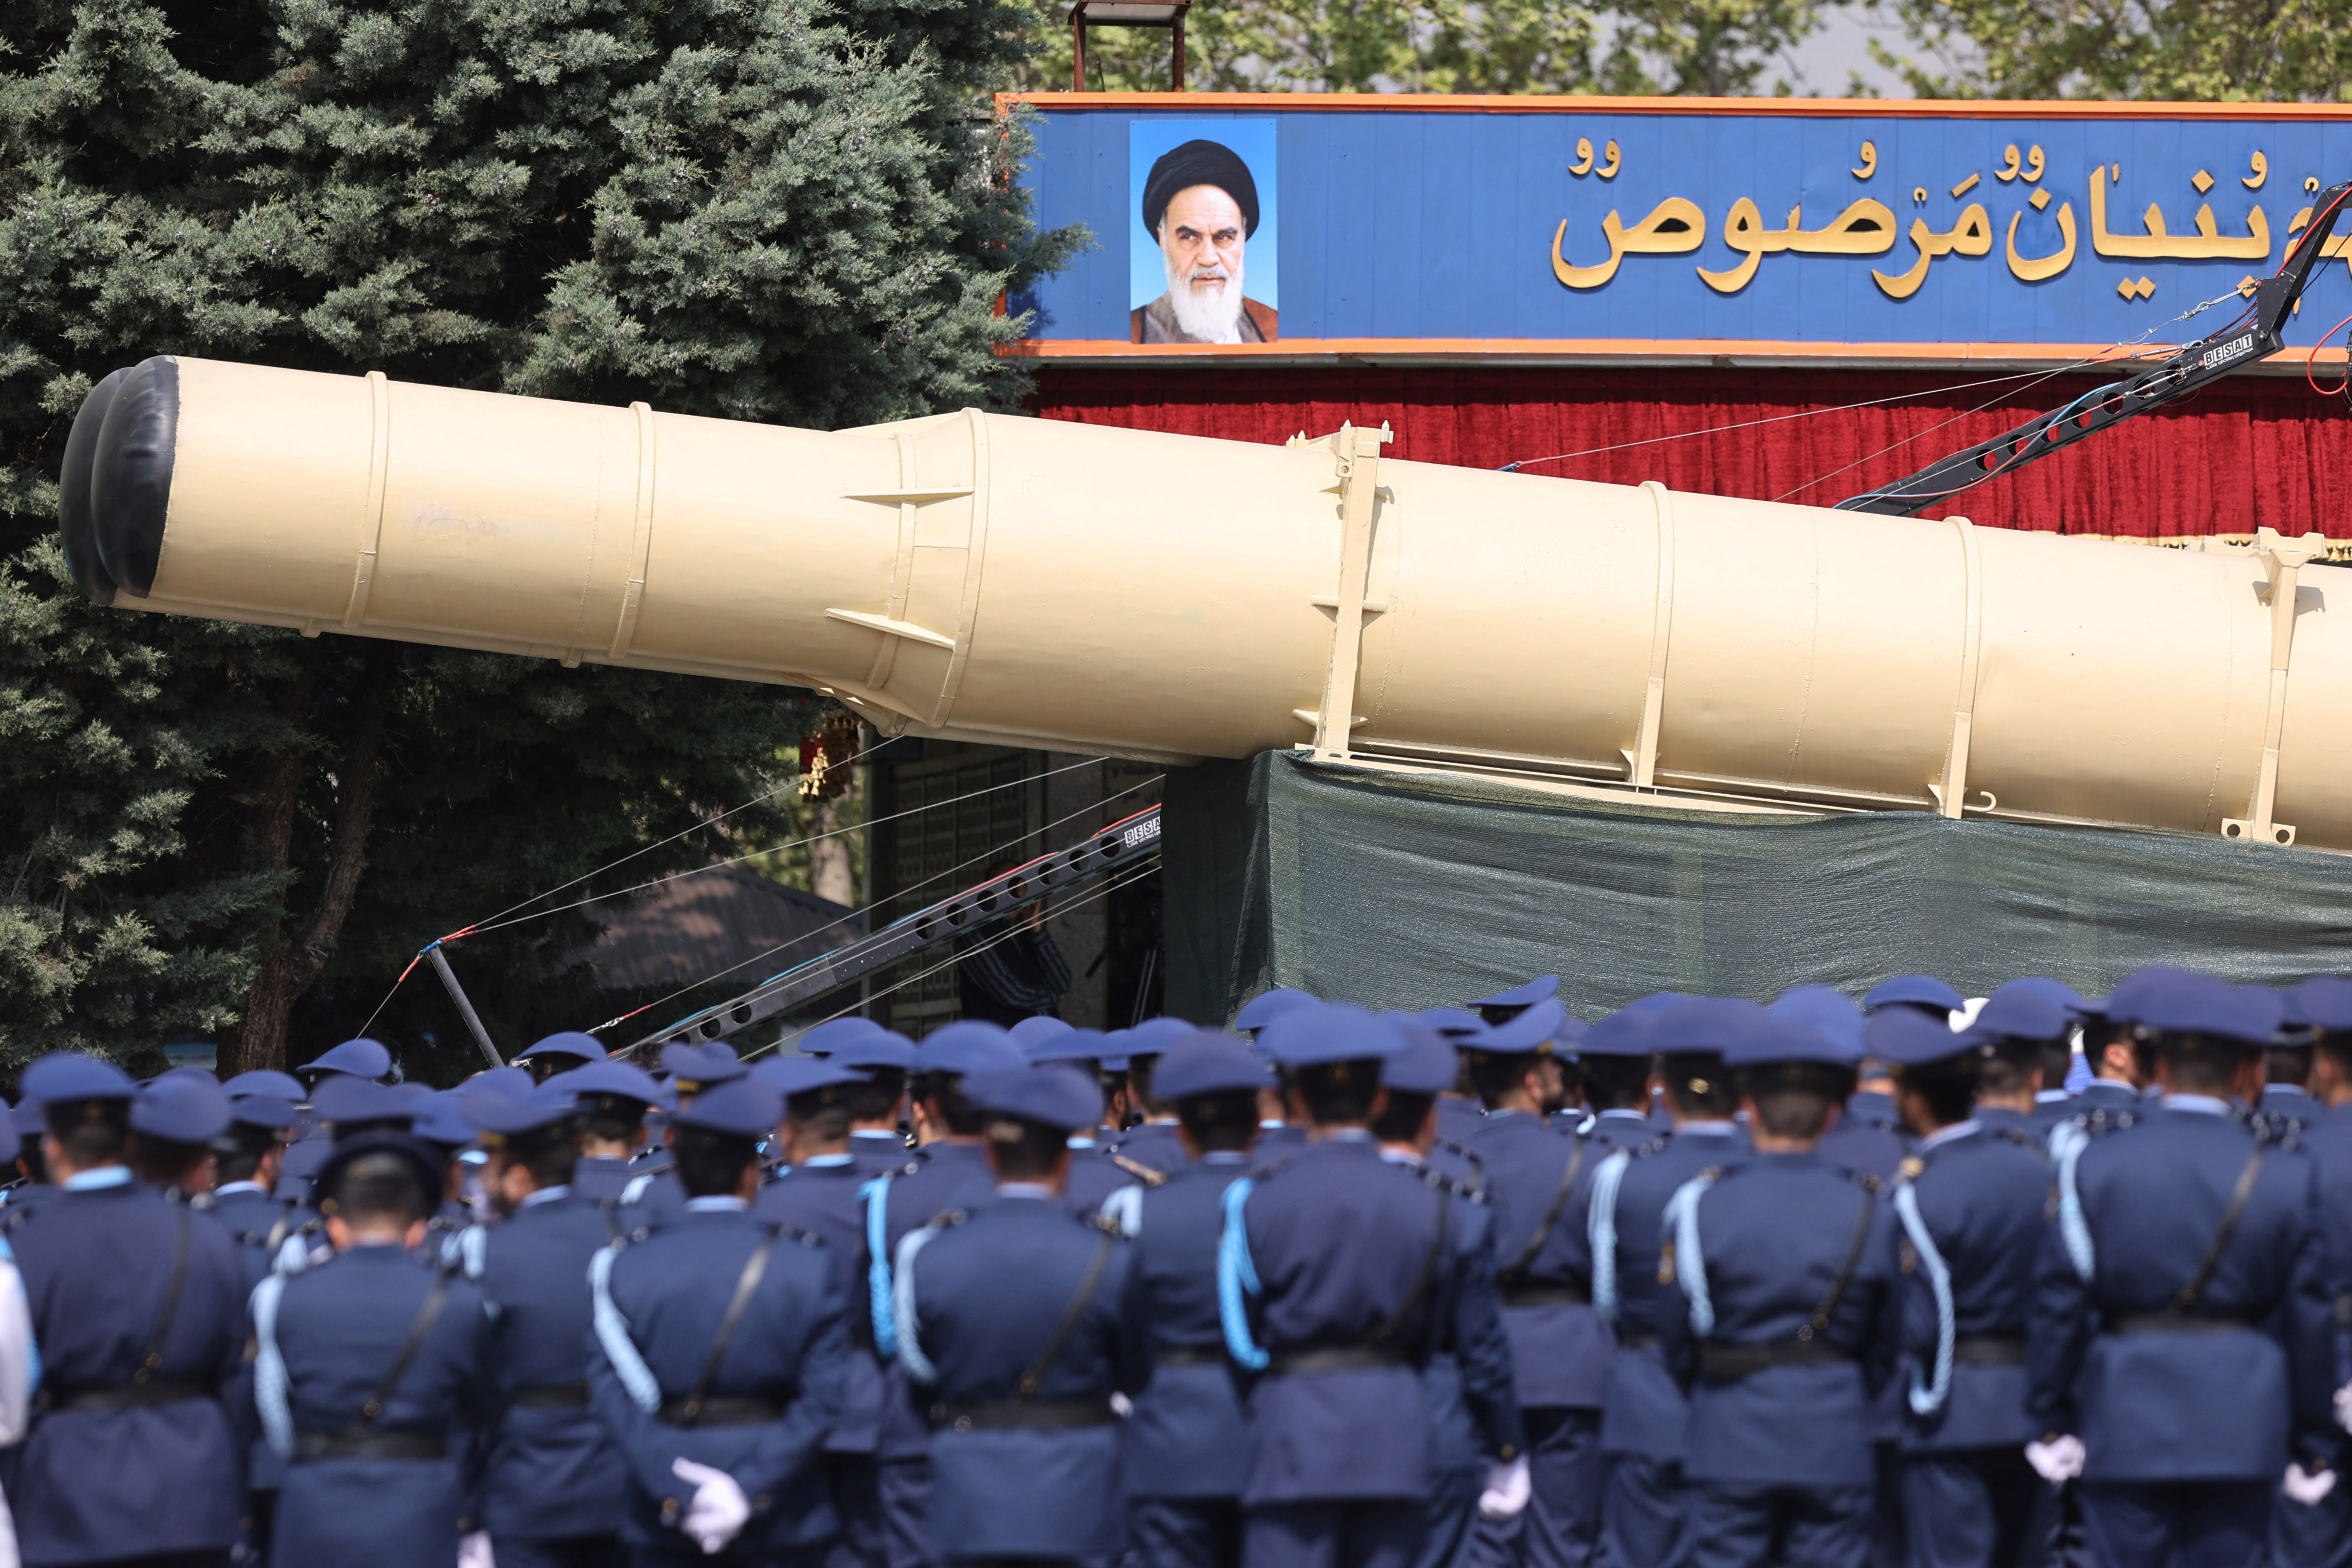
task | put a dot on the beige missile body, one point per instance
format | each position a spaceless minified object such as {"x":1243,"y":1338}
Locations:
{"x":993,"y":578}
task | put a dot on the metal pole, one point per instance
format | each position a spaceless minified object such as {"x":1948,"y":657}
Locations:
{"x":1078,"y":49}
{"x":457,"y":994}
{"x":1177,"y":73}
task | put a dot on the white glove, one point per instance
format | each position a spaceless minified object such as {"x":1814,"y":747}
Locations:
{"x":2344,"y":1407}
{"x":2305,"y":1489}
{"x":720,"y":1510}
{"x":2059,"y":1459}
{"x":474,"y":1551}
{"x":1508,"y":1488}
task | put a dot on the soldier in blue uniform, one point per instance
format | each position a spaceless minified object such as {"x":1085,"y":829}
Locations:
{"x":1098,"y":1171}
{"x":1481,"y":1462}
{"x":1183,"y":1442}
{"x":2287,"y":1104}
{"x":559,"y":1054}
{"x":174,"y":1120}
{"x":1971,"y":1201}
{"x":1923,"y":993}
{"x":137,"y":1319}
{"x":1788,"y":1321}
{"x":369,"y":1372}
{"x":1276,"y":1134}
{"x":1864,"y":1138}
{"x":554,"y":1482}
{"x":1504,"y":1005}
{"x":1644,"y":1510}
{"x":1561,"y":1352}
{"x":724,"y":1350}
{"x":2016,"y":1030}
{"x":1325,"y":1273}
{"x":948,"y":1170}
{"x":2052,"y":1103}
{"x":2181,"y":1349}
{"x":1009,"y":1330}
{"x":2305,"y":1532}
{"x":654,"y":1196}
{"x":877,"y":1100}
{"x":248,"y":1157}
{"x":816,"y":1194}
{"x":2121,"y":1067}
{"x":1152,"y":1143}
{"x":612,"y":1097}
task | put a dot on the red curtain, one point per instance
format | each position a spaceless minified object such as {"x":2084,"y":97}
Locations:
{"x":2250,"y":453}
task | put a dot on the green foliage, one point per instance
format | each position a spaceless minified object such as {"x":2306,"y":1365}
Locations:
{"x":772,"y":209}
{"x":2228,"y":50}
{"x":1723,"y":47}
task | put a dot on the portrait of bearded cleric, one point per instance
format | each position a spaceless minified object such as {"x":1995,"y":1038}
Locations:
{"x":1200,"y":207}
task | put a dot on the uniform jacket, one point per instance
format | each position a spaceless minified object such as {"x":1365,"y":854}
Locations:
{"x":2138,"y":1210}
{"x":89,"y":1484}
{"x":660,"y":1303}
{"x":939,"y":1177}
{"x":1773,"y":1232}
{"x":1561,"y":1351}
{"x":1185,"y":1437}
{"x":1096,"y":1174}
{"x":983,"y":1299}
{"x":822,"y":1201}
{"x":327,"y":1336}
{"x":1473,"y":1406}
{"x":878,"y":1154}
{"x":600,"y":1178}
{"x":554,"y":1470}
{"x":1645,"y":1409}
{"x":1982,"y":1198}
{"x":1155,"y":1146}
{"x":1329,"y":1248}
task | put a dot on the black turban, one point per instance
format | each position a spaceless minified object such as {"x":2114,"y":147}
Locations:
{"x":1199,"y":163}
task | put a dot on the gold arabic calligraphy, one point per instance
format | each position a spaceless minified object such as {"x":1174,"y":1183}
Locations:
{"x":1676,"y":227}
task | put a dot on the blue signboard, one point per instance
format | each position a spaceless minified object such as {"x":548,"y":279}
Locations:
{"x":1511,"y":225}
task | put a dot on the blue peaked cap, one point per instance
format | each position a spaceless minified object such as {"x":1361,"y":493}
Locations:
{"x":1030,"y":1033}
{"x":2201,"y":1005}
{"x":1427,"y":1065}
{"x":834,"y":1033}
{"x":744,"y":1107}
{"x":1914,"y":991}
{"x":181,"y":1110}
{"x":1056,"y":1095}
{"x":788,"y":1075}
{"x":623,"y":1081}
{"x":1777,"y":1040}
{"x":968,"y":1046}
{"x":361,"y":1058}
{"x":1527,"y":995}
{"x":1905,"y":1036}
{"x":2326,"y":1003}
{"x":1624,"y":1033}
{"x":570,"y":1043}
{"x":1329,"y":1032}
{"x":64,"y":1076}
{"x":1705,"y":1026}
{"x":2014,"y":1015}
{"x":882,"y":1049}
{"x":1207,"y":1061}
{"x":1820,"y":1007}
{"x":1533,"y":1030}
{"x":263,"y":1080}
{"x":2055,"y":992}
{"x":704,"y":1066}
{"x":1264,"y":1009}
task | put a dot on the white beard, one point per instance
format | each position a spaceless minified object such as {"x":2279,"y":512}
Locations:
{"x":1209,"y":315}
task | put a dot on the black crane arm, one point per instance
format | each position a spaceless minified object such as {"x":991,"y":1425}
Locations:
{"x":2242,"y":343}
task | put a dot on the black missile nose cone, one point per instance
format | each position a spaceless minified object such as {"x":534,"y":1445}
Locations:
{"x":76,"y":529}
{"x":130,"y":473}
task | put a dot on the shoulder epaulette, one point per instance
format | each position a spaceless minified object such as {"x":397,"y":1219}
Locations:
{"x":1463,"y":1152}
{"x":794,"y":1233}
{"x":948,"y":1221}
{"x":1910,"y":1169}
{"x":2021,"y":1138}
{"x":1453,"y":1185}
{"x":1653,"y":1146}
{"x":1267,"y":1173}
{"x":1868,"y":1181}
{"x":2275,"y":1132}
{"x":1107,"y":1224}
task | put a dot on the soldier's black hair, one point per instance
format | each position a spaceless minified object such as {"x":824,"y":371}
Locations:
{"x":1949,"y":1087}
{"x":2009,"y":1068}
{"x":549,"y":1153}
{"x":1699,"y":1086}
{"x":380,"y":1188}
{"x":2202,"y":1063}
{"x":1020,"y":1150}
{"x":711,"y":1164}
{"x":1617,"y":1083}
{"x":238,"y":1152}
{"x":876,"y":1096}
{"x":1493,"y":1075}
{"x":1338,"y":1093}
{"x":821,"y":1122}
{"x":163,"y":1162}
{"x":2288,"y":1064}
{"x":93,"y":1132}
{"x":1225,"y":1121}
{"x":611,"y":1118}
{"x":1794,"y":1100}
{"x":2057,"y":1061}
{"x":1401,"y":1118}
{"x":946,"y":1091}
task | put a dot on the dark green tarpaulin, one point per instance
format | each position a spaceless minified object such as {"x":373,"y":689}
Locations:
{"x":1409,"y":891}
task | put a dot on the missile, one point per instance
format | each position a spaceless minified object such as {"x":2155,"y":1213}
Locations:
{"x":988,"y":577}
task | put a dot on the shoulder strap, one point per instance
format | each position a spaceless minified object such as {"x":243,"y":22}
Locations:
{"x":1389,"y":1332}
{"x":2238,"y":1197}
{"x":1070,"y":1315}
{"x":154,"y":1356}
{"x":434,"y":1301}
{"x":746,"y":1285}
{"x":1527,"y":1254}
{"x":1821,"y":1314}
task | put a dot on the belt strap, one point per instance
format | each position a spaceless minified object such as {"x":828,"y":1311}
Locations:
{"x":1188,"y":1355}
{"x":1989,"y":1349}
{"x":690,"y":1409}
{"x":154,"y":1359}
{"x":1030,"y":1379}
{"x":366,"y":1443}
{"x":132,"y":1395}
{"x":549,"y":1397}
{"x":1545,"y":1296}
{"x":1727,"y":1364}
{"x":2238,"y":1197}
{"x":2173,"y":1324}
{"x":1385,"y":1337}
{"x":720,"y":1410}
{"x":1819,"y":1321}
{"x":1535,"y":1246}
{"x":1025,"y":1416}
{"x":1333,"y":1358}
{"x":434,"y":1301}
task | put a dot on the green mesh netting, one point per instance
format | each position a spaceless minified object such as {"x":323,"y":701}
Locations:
{"x":1409,"y":891}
